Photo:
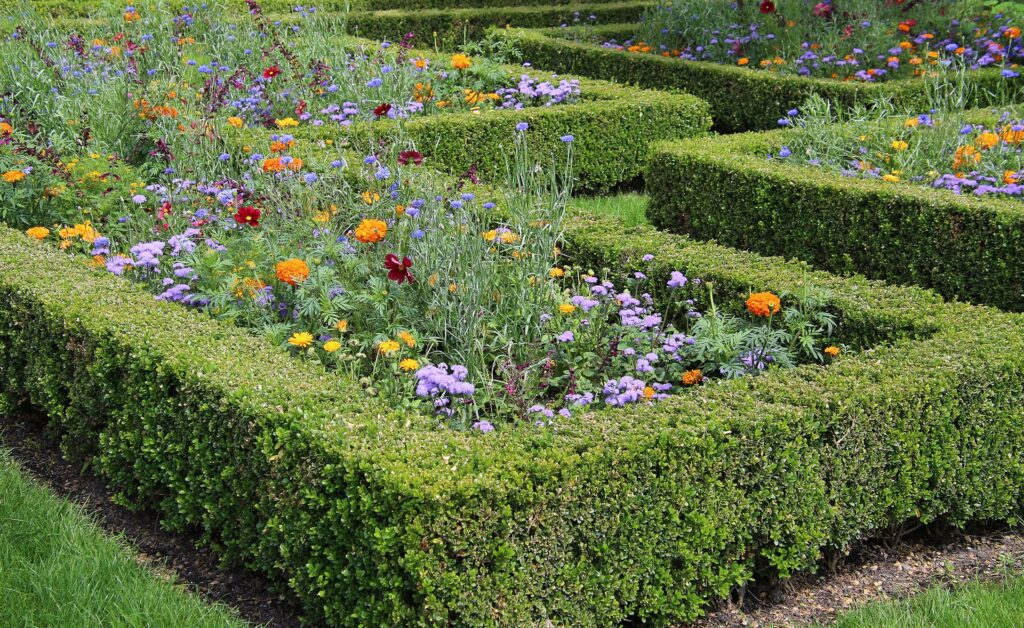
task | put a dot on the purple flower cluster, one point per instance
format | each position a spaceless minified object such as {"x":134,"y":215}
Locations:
{"x":531,"y":92}
{"x":441,"y":384}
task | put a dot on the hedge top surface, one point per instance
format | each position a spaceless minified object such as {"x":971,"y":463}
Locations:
{"x":305,"y":397}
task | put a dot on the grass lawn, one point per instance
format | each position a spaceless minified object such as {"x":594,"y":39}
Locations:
{"x":57,"y":568}
{"x":628,"y":207}
{"x":973,"y":605}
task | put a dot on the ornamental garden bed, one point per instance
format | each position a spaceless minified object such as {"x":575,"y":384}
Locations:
{"x":753,"y":76}
{"x":948,"y":219}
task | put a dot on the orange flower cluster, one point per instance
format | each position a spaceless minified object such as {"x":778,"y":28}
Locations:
{"x":965,"y":156}
{"x":274,"y":164}
{"x":371,"y":230}
{"x":763,"y":304}
{"x":148,"y":111}
{"x":292,"y":271}
{"x":692,"y":378}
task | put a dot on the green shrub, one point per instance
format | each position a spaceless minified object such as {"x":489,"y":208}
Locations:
{"x":450,"y":27}
{"x":741,"y":99}
{"x":371,"y":516}
{"x":725,"y":188}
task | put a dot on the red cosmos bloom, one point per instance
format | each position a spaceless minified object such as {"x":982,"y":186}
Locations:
{"x":248,"y":215}
{"x":410,"y":156}
{"x":398,"y":270}
{"x":767,"y":6}
{"x":382,"y":109}
{"x":271,"y":72}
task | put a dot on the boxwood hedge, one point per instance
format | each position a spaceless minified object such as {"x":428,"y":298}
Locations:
{"x":725,"y":188}
{"x":372,"y":516}
{"x":741,"y":99}
{"x":448,"y":28}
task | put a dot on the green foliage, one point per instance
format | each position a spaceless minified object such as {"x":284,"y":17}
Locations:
{"x":374,"y":516}
{"x":740,"y":99}
{"x":963,"y":246}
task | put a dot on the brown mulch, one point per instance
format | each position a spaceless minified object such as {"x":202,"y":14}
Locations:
{"x":174,"y":556}
{"x":878,"y":572}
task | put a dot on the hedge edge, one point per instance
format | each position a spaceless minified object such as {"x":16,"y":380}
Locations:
{"x":962,"y":246}
{"x":741,"y":99}
{"x":370,"y":516}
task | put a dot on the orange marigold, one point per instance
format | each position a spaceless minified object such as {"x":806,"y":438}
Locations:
{"x":371,"y":230}
{"x":692,"y":378}
{"x":763,"y":304}
{"x":292,"y":271}
{"x":461,"y":61}
{"x":831,"y":351}
{"x":38,"y":232}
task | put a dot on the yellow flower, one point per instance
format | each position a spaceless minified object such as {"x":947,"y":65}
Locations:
{"x":322,"y":217}
{"x":555,"y":273}
{"x":301,"y":339}
{"x":891,"y":178}
{"x":331,"y":346}
{"x":388,"y":347}
{"x":408,"y":364}
{"x":742,"y":61}
{"x":342,"y":326}
{"x":6,"y":129}
{"x":648,"y":393}
{"x":13,"y":176}
{"x":832,"y":351}
{"x":370,"y":197}
{"x":453,"y":287}
{"x":461,"y":61}
{"x":235,"y":121}
{"x":899,"y":145}
{"x":407,"y":338}
{"x":490,"y":235}
{"x":509,"y":238}
{"x":284,"y":123}
{"x":38,"y":232}
{"x":567,"y":308}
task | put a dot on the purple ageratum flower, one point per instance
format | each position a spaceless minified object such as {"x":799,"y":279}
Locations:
{"x":677,"y":279}
{"x":565,"y":336}
{"x":483,"y":426}
{"x":118,"y":263}
{"x":785,"y":152}
{"x":139,"y":199}
{"x":647,"y":257}
{"x":542,"y":410}
{"x":623,"y":391}
{"x":438,"y":382}
{"x":147,"y":254}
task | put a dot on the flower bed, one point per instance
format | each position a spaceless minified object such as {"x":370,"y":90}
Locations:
{"x":647,"y":511}
{"x":741,"y":99}
{"x":965,"y":246}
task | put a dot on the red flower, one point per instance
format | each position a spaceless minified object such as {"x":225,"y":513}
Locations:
{"x":407,"y":156}
{"x":248,"y":215}
{"x":767,"y":6}
{"x":398,"y":270}
{"x":382,"y":109}
{"x":271,"y":72}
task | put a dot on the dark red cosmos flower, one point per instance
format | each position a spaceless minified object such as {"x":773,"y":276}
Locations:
{"x":767,"y":6}
{"x":271,"y":72}
{"x":382,"y":109}
{"x":410,"y":156}
{"x":398,"y":270}
{"x":248,"y":215}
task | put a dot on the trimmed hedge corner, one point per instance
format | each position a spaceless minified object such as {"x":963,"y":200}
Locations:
{"x":725,"y":188}
{"x":741,"y":99}
{"x":372,"y":516}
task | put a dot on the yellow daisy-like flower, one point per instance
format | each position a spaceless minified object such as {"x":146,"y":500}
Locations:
{"x":407,"y":338}
{"x":301,"y":339}
{"x":555,"y":273}
{"x":388,"y":347}
{"x":342,"y":326}
{"x":37,"y":232}
{"x":899,"y":145}
{"x":13,"y":176}
{"x":490,"y":235}
{"x":567,"y":308}
{"x":370,"y":197}
{"x":331,"y":346}
{"x":235,"y":121}
{"x":408,"y":364}
{"x":285,"y":123}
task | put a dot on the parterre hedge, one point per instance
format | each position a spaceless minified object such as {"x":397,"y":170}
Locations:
{"x":371,"y":516}
{"x":741,"y":99}
{"x":448,"y":28}
{"x":724,"y":188}
{"x":613,"y":128}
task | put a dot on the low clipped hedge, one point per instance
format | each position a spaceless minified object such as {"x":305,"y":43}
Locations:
{"x":372,"y":516}
{"x":449,"y":28}
{"x":725,"y":188}
{"x":613,"y":128}
{"x":741,"y":99}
